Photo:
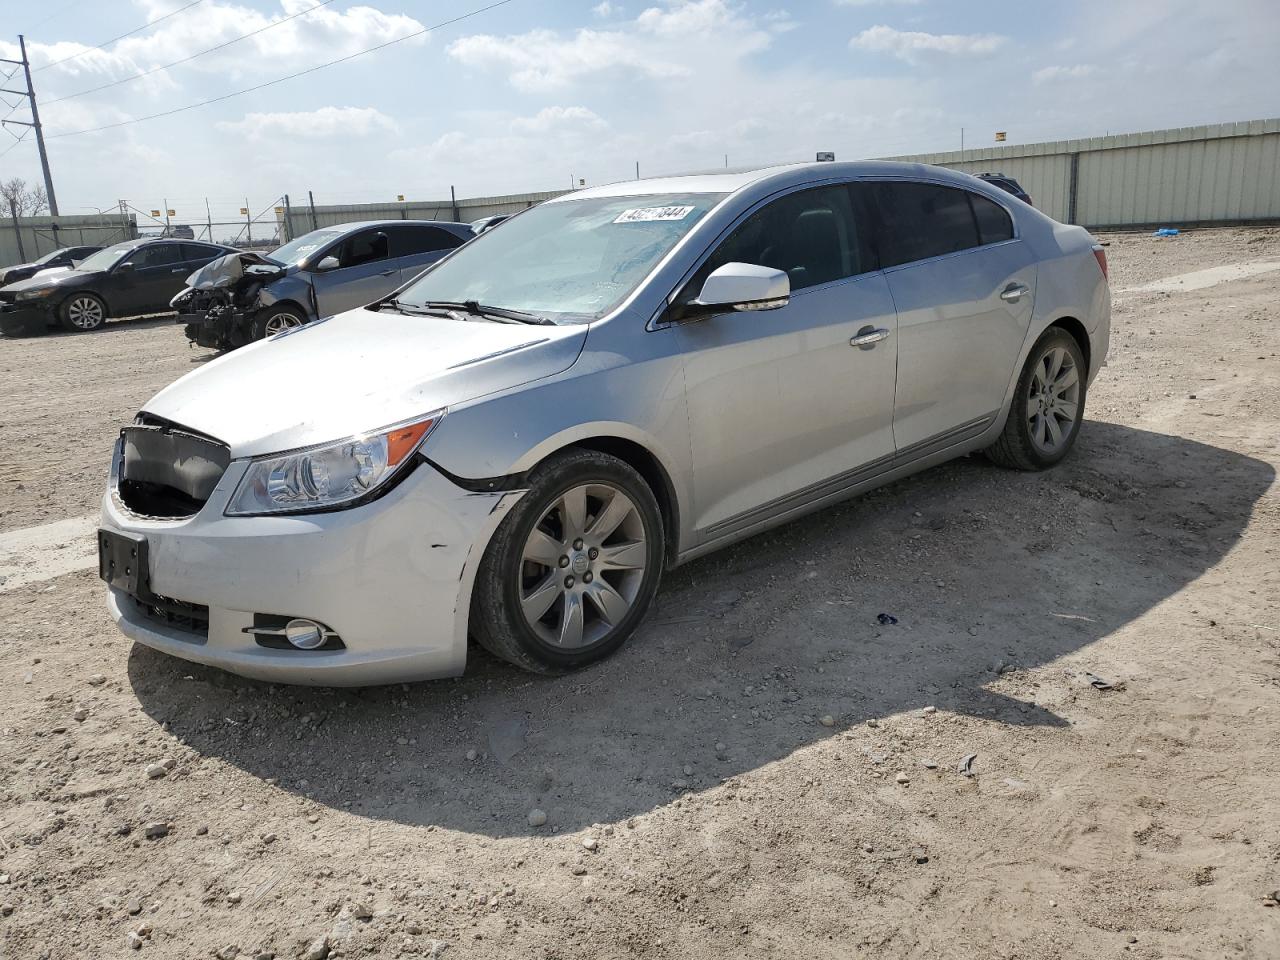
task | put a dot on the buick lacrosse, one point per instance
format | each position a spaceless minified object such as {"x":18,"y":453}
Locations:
{"x":514,"y":445}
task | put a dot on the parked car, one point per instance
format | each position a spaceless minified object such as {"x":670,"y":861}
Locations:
{"x":487,"y":223}
{"x":182,"y":231}
{"x":66,"y":257}
{"x":319,"y":274}
{"x":516,"y":444}
{"x":1008,"y":185}
{"x":126,"y":280}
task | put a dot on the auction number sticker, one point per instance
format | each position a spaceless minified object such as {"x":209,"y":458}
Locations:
{"x":650,"y":214}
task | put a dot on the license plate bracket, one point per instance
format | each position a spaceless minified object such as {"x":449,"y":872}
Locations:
{"x":123,"y":562}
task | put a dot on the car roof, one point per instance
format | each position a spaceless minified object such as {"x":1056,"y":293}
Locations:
{"x":366,"y":224}
{"x":780,"y":177}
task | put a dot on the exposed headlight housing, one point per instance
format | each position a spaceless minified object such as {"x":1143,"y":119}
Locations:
{"x":332,"y":476}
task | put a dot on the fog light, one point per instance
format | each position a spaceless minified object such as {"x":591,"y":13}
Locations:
{"x":304,"y":634}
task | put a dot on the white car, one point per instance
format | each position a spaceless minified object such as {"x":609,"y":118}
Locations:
{"x":517,"y":443}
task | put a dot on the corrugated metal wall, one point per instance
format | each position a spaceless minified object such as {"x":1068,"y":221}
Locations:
{"x":1225,"y":173}
{"x":39,"y":237}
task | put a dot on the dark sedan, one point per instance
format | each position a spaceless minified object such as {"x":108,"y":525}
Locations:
{"x":66,"y":257}
{"x":126,"y":280}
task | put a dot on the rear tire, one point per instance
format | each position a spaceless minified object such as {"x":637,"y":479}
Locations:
{"x":83,"y":312}
{"x":573,"y":568}
{"x":1047,"y":407}
{"x":277,"y":319}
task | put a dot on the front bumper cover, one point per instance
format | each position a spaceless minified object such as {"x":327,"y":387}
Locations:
{"x":393,"y":578}
{"x":24,"y":319}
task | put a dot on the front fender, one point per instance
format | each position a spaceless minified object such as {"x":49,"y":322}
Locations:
{"x":603,"y":395}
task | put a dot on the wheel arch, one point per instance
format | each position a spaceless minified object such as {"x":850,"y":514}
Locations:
{"x":1079,"y":334}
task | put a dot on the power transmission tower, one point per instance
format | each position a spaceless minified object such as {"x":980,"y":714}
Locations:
{"x":30,"y":94}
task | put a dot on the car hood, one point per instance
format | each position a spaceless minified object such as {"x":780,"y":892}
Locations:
{"x":54,"y":277}
{"x":356,"y":372}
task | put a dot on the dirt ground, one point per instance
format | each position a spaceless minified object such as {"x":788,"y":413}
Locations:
{"x":766,"y":770}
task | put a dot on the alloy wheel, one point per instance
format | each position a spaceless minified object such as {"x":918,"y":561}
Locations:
{"x":85,"y":313}
{"x":278,"y":322}
{"x":1053,"y":402}
{"x":582,"y":566}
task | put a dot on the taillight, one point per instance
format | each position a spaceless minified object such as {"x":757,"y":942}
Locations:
{"x":1101,"y":256}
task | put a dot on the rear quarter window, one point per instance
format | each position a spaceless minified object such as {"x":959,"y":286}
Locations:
{"x":994,"y":223}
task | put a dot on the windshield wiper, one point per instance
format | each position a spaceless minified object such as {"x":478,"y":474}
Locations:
{"x":480,"y":310}
{"x":407,"y":308}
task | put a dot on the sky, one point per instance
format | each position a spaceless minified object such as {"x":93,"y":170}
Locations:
{"x":534,"y":95}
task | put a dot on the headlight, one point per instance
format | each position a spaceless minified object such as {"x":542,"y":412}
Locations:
{"x":35,"y":294}
{"x":334,"y":475}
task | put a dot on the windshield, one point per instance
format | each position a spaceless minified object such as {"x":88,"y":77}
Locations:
{"x":571,"y":260}
{"x":106,"y":258}
{"x":298,"y":249}
{"x":49,"y":256}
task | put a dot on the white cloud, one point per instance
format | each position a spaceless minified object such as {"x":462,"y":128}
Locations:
{"x":317,"y":124}
{"x":559,"y":118}
{"x":912,"y":45}
{"x":1055,"y":73}
{"x":606,"y":9}
{"x":322,"y":34}
{"x":874,"y":3}
{"x":543,"y":60}
{"x":661,"y":43}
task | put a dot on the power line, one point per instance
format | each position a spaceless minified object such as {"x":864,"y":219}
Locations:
{"x":57,"y":13}
{"x":292,"y":76}
{"x":147,"y":73}
{"x":149,"y":23}
{"x":15,"y":143}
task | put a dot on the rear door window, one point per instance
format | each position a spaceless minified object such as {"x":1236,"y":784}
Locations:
{"x":812,"y":235}
{"x":155,"y":255}
{"x":412,"y":239}
{"x":199,"y":253}
{"x":994,"y":223}
{"x":922,"y":220}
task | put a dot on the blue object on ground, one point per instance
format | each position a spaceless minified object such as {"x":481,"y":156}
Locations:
{"x":1166,"y":232}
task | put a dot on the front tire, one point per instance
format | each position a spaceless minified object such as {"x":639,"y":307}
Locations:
{"x":1048,"y":405}
{"x":277,"y":319}
{"x":83,"y":312}
{"x":573,"y":568}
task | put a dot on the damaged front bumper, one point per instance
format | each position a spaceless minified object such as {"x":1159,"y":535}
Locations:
{"x":391,"y":581}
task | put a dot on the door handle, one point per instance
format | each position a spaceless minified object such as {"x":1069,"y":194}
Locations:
{"x":1013,"y":292}
{"x":180,"y":270}
{"x":868,"y":337}
{"x":386,"y":273}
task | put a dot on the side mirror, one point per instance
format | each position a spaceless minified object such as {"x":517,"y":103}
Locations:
{"x":327,"y":263}
{"x":741,"y":286}
{"x":126,"y":268}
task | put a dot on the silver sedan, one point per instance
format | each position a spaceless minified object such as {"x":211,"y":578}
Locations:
{"x":515,"y":445}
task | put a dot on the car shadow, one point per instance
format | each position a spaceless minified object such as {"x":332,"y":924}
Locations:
{"x":751,"y":652}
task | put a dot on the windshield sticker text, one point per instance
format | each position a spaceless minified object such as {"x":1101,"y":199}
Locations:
{"x":649,"y":214}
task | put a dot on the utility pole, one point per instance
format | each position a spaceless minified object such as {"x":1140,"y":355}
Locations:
{"x":168,"y":230}
{"x":637,"y":169}
{"x":288,"y":221}
{"x":208,"y":218}
{"x":30,"y":94}
{"x":962,"y":144}
{"x":311,"y":202}
{"x":248,"y":222}
{"x":453,"y":199}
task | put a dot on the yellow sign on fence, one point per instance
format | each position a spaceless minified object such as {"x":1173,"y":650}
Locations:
{"x":1000,"y":135}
